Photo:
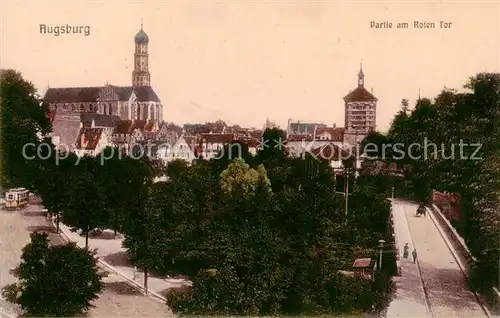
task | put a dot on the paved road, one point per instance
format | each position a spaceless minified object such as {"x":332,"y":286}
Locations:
{"x":447,"y":291}
{"x":118,"y":298}
{"x":409,"y":299}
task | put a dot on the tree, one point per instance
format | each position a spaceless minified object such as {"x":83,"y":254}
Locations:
{"x":85,"y":209}
{"x":272,"y":148}
{"x":57,"y":281}
{"x":273,"y":155}
{"x":51,"y":180}
{"x":115,"y":186}
{"x":234,"y":150}
{"x":175,"y":168}
{"x":22,"y":117}
{"x":138,"y":221}
{"x":240,"y":178}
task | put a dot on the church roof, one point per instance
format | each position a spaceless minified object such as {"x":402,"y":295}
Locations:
{"x":141,"y":37}
{"x":128,"y":126}
{"x":299,"y":128}
{"x":100,"y":120}
{"x":66,"y":128}
{"x":91,"y":94}
{"x":217,"y":138}
{"x":360,"y":94}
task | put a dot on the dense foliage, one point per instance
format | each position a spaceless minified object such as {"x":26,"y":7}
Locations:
{"x":21,"y":119}
{"x":254,"y":249}
{"x":48,"y":284}
{"x":257,"y":235}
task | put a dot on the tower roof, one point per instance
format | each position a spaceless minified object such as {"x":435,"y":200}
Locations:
{"x":360,"y":94}
{"x":141,"y":37}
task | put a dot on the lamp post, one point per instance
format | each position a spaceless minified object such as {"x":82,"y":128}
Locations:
{"x":146,"y":241}
{"x":381,"y":246}
{"x":346,"y":190}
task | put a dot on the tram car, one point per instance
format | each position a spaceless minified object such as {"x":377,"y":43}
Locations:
{"x":16,"y":198}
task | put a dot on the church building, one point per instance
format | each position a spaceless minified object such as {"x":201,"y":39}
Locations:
{"x":72,"y":107}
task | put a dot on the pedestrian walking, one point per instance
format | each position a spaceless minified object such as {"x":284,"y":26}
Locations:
{"x":414,"y":253}
{"x":406,"y":251}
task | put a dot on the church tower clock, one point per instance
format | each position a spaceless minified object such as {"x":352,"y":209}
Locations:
{"x":141,"y":75}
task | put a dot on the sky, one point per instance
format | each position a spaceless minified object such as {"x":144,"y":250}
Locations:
{"x":245,"y":61}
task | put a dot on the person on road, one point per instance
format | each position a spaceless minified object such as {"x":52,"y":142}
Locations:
{"x":414,"y":253}
{"x":406,"y":251}
{"x":421,"y":210}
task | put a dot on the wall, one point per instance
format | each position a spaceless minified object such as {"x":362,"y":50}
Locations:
{"x":455,"y":239}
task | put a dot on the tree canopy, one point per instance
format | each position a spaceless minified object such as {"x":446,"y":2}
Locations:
{"x":24,"y":122}
{"x":55,"y":281}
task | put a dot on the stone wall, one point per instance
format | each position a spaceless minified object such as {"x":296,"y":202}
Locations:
{"x":456,"y":240}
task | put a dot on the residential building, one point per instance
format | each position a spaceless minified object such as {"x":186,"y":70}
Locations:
{"x":183,"y":149}
{"x":300,"y":128}
{"x":94,"y":120}
{"x":297,"y":144}
{"x":91,"y":142}
{"x":128,"y":132}
{"x":211,"y":144}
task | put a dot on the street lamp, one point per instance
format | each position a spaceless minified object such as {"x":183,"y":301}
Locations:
{"x":346,"y":190}
{"x":381,"y":246}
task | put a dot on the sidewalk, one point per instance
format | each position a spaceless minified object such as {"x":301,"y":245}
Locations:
{"x":409,"y":300}
{"x":112,"y":255}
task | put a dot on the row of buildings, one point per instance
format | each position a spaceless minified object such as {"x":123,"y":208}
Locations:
{"x":88,"y":119}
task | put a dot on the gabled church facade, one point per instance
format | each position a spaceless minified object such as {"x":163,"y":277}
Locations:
{"x":68,"y":105}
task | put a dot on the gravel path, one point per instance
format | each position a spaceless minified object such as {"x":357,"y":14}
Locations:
{"x":118,"y":298}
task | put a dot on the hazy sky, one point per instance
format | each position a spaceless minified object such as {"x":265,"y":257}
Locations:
{"x":243,"y":61}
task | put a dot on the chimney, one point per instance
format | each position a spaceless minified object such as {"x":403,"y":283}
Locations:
{"x":334,"y":125}
{"x":372,"y":90}
{"x":83,"y":142}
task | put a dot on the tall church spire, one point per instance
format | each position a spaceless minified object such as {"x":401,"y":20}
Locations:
{"x":361,"y":75}
{"x":141,"y":75}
